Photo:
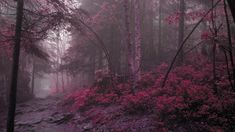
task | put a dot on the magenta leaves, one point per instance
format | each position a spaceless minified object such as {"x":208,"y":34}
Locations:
{"x":187,"y":102}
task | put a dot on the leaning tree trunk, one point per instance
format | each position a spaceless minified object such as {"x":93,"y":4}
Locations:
{"x":15,"y":67}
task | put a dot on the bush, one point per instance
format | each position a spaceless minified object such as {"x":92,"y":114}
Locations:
{"x":189,"y":102}
{"x":139,"y":103}
{"x":77,"y":100}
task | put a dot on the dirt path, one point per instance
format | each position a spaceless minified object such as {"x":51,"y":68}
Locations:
{"x":43,"y":115}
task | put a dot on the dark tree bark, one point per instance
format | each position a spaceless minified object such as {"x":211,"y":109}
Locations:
{"x":232,"y":8}
{"x":181,"y":29}
{"x":214,"y":64}
{"x":128,"y":42}
{"x":15,"y":67}
{"x":151,"y":32}
{"x":160,"y":31}
{"x":214,"y":42}
{"x":230,"y":47}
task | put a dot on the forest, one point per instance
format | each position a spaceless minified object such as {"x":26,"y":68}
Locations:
{"x":117,"y":66}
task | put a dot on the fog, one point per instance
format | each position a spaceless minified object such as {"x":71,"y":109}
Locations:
{"x":43,"y":86}
{"x":117,"y":65}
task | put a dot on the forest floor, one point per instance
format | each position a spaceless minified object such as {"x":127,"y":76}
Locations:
{"x":48,"y":115}
{"x":44,"y":115}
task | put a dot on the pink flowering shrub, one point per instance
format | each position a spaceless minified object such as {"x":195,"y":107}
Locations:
{"x":124,"y":88}
{"x":77,"y":100}
{"x":188,"y":102}
{"x":147,"y":80}
{"x":197,"y":105}
{"x":102,"y":99}
{"x":138,"y":103}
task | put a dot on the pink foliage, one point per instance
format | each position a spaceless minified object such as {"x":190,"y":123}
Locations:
{"x":188,"y":102}
{"x":189,"y":97}
{"x":141,"y":103}
{"x":106,"y":98}
{"x":78,"y":99}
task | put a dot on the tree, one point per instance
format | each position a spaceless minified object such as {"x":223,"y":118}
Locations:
{"x":160,"y":30}
{"x":33,"y":74}
{"x":230,"y":47}
{"x":130,"y":50}
{"x":232,"y":8}
{"x":181,"y":29}
{"x":137,"y":41}
{"x":16,"y":54}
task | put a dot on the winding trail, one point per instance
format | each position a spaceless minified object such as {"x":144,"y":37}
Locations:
{"x":44,"y":115}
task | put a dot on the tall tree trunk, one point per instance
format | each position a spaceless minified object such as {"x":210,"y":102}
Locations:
{"x":4,"y":77}
{"x":57,"y":81}
{"x":204,"y":49}
{"x":62,"y":80}
{"x":232,"y":8}
{"x":33,"y":76}
{"x":128,"y":41}
{"x":137,"y":52}
{"x":15,"y":67}
{"x":6,"y":98}
{"x":160,"y":32}
{"x":113,"y":49}
{"x":149,"y":50}
{"x":93,"y":67}
{"x":7,"y":89}
{"x":67,"y":79}
{"x":100,"y":59}
{"x":151,"y":30}
{"x":214,"y":65}
{"x":181,"y":29}
{"x":215,"y":34}
{"x":62,"y":50}
{"x":57,"y":61}
{"x":230,"y":42}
